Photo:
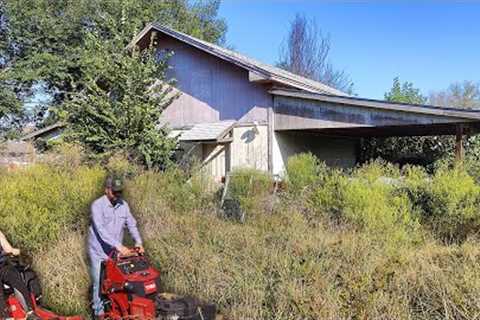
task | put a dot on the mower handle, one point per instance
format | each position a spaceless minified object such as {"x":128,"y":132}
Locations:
{"x":134,"y":252}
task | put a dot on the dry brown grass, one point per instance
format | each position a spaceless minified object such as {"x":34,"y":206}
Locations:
{"x":64,"y":273}
{"x":281,"y":265}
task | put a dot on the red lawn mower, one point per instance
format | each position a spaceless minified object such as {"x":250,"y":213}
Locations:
{"x":15,"y":301}
{"x":130,"y":289}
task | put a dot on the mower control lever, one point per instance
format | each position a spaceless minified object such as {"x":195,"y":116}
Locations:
{"x":133,"y":252}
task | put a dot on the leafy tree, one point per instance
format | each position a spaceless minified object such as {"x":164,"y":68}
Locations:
{"x":305,"y":52}
{"x":407,"y":150}
{"x":74,"y":50}
{"x":404,"y":93}
{"x":10,"y":111}
{"x":118,"y":105}
{"x":42,"y":41}
{"x":465,"y":95}
{"x":10,"y":107}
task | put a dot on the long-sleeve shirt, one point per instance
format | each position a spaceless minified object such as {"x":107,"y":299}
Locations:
{"x":110,"y":222}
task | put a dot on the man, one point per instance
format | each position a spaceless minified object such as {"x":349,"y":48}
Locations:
{"x":110,"y":215}
{"x":9,"y":275}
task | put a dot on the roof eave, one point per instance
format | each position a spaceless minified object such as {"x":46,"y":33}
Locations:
{"x":253,"y":68}
{"x":380,"y":104}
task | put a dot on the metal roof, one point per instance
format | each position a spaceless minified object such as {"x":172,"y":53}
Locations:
{"x":39,"y":132}
{"x":207,"y":131}
{"x":264,"y":70}
{"x":380,"y":104}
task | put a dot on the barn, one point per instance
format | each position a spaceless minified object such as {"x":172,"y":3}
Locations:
{"x":233,"y":111}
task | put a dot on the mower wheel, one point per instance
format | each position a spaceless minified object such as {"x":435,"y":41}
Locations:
{"x":171,"y":306}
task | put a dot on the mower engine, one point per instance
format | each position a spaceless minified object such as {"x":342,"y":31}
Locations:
{"x":130,"y":288}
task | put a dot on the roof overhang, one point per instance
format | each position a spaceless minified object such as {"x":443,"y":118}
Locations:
{"x":351,"y":116}
{"x":43,"y":131}
{"x":215,"y":132}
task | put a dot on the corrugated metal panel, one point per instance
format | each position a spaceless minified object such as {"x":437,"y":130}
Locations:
{"x":207,"y":131}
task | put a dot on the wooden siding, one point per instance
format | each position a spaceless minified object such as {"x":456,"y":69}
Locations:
{"x":293,"y":113}
{"x":250,"y":147}
{"x":214,"y":160}
{"x":211,"y":89}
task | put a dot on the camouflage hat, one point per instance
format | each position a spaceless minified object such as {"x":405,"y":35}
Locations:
{"x":114,"y":183}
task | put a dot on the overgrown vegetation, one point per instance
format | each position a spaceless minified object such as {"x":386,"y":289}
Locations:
{"x":374,"y":243}
{"x":65,"y":61}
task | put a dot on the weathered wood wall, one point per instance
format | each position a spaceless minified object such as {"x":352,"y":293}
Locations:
{"x":301,"y":114}
{"x":212,"y":89}
{"x":250,"y":147}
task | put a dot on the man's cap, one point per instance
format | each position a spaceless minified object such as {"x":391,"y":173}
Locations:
{"x":114,"y":183}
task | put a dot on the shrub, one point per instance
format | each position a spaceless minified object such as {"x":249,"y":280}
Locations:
{"x":37,"y":203}
{"x":250,"y":187}
{"x":327,"y":198}
{"x":119,"y":165}
{"x":302,"y":172}
{"x":453,"y":210}
{"x":67,"y":156}
{"x":371,"y":202}
{"x":174,"y":188}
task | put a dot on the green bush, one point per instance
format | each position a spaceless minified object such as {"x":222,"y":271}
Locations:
{"x":176,"y":189}
{"x":302,"y":172}
{"x":367,"y":199}
{"x":250,"y":187}
{"x":371,"y":202}
{"x":448,"y":201}
{"x":453,"y":211}
{"x":38,"y":203}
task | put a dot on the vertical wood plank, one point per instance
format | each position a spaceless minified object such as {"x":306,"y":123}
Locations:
{"x":270,"y":119}
{"x":459,"y":150}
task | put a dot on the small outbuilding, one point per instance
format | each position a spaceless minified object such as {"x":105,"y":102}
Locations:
{"x":234,"y":111}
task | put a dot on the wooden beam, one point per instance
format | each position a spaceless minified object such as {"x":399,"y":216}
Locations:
{"x":459,"y":150}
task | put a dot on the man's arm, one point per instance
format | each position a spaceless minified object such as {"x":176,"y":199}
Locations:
{"x":97,"y":218}
{"x":6,"y":246}
{"x":132,"y":228}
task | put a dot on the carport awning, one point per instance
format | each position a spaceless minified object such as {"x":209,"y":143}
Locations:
{"x":205,"y":132}
{"x":351,"y":116}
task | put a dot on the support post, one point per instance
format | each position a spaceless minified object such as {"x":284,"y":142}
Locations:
{"x":459,"y":150}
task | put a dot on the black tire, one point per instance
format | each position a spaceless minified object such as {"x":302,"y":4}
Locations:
{"x":185,"y":308}
{"x":33,"y":284}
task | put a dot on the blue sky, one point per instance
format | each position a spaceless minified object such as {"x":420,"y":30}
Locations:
{"x":431,"y":44}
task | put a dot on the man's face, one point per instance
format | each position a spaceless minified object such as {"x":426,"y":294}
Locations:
{"x":113,"y":196}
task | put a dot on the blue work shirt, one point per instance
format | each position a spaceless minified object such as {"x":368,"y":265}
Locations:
{"x":110,"y":222}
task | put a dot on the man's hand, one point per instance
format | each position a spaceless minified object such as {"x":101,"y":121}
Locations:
{"x":124,"y":251}
{"x":140,"y":249}
{"x":15,"y":252}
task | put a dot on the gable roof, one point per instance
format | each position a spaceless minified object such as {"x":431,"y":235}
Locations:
{"x":263,"y":70}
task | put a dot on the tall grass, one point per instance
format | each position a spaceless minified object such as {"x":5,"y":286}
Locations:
{"x":375,"y":243}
